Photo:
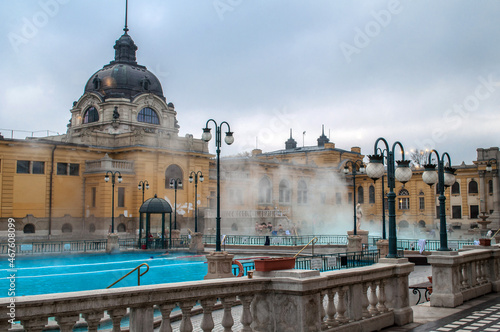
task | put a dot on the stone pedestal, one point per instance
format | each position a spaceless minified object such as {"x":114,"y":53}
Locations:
{"x":354,"y":243}
{"x":196,"y":245}
{"x":219,"y":265}
{"x":112,"y":243}
{"x":362,"y":233}
{"x":383,"y":246}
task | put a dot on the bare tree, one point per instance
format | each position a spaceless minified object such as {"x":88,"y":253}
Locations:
{"x":419,"y":157}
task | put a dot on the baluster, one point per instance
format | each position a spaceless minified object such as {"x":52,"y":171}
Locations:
{"x":473,"y":272}
{"x":461,"y":277}
{"x":381,"y":297}
{"x":364,"y":301}
{"x":166,"y":310}
{"x":330,"y":309}
{"x":34,"y":324}
{"x":484,"y":275}
{"x":207,"y":322}
{"x":324,"y":325}
{"x":227,"y":318}
{"x":116,"y":317}
{"x":66,"y":323}
{"x":465,"y":282}
{"x":186,"y":325}
{"x":246,"y":315}
{"x":93,"y":318}
{"x":373,"y":299}
{"x":341,"y":308}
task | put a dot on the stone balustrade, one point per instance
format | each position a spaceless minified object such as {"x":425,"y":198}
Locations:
{"x":358,"y":299}
{"x":460,"y":276}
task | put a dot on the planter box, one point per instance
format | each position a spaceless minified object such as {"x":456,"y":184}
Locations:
{"x":485,"y":242}
{"x":271,"y":264}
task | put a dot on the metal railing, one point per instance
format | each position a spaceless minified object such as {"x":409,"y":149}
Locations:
{"x":312,"y":242}
{"x":56,"y":247}
{"x":139,"y":275}
{"x":430,"y":245}
{"x":260,"y":240}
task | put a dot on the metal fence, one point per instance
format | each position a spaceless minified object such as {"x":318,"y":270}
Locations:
{"x":56,"y":247}
{"x":430,"y":245}
{"x":327,"y":262}
{"x":261,"y":240}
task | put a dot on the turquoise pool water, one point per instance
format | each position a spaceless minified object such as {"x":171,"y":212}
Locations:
{"x":68,"y":273}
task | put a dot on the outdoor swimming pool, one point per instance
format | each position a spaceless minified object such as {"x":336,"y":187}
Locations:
{"x":69,"y":273}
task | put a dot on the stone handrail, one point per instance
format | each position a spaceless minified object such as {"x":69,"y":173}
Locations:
{"x":459,"y":277}
{"x":366,"y":298}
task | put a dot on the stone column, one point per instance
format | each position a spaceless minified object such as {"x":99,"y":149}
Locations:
{"x":141,"y":319}
{"x":361,"y":233}
{"x":354,"y":243}
{"x":482,"y":193}
{"x":196,"y":243}
{"x":112,"y":244}
{"x":446,"y":284}
{"x":288,"y":308}
{"x":383,"y":246}
{"x":495,"y":216}
{"x":220,"y":265}
{"x":396,"y":290}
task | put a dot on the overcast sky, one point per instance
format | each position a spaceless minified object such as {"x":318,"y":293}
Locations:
{"x":422,"y":72}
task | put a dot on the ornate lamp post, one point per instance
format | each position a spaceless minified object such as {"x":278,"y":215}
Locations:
{"x":375,"y":170}
{"x":445,"y":177}
{"x":175,"y":183}
{"x":229,"y":139}
{"x":354,"y":164}
{"x":106,"y":178}
{"x":194,"y":175}
{"x":141,"y":186}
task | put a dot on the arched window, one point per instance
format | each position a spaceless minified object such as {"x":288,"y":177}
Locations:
{"x":92,"y":228}
{"x":302,"y":192}
{"x":121,"y":228}
{"x":490,"y":187}
{"x":421,"y":200}
{"x":455,"y":188}
{"x":404,"y":199}
{"x":148,"y":115}
{"x":473,"y":187}
{"x":421,"y":224}
{"x":371,"y":194}
{"x":265,"y":191}
{"x":361,"y":195}
{"x":172,"y":173}
{"x":67,"y":228}
{"x":91,"y":115}
{"x":404,"y":224}
{"x":285,"y":192}
{"x":29,"y":229}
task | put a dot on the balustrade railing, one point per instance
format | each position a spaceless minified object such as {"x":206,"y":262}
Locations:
{"x":56,"y":247}
{"x":430,"y":245}
{"x":365,"y":298}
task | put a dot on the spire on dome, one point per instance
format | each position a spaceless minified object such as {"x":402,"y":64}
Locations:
{"x":126,"y":16}
{"x":125,"y":48}
{"x":323,"y":139}
{"x":290,"y":143}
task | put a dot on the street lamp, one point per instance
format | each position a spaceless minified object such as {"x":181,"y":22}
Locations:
{"x":106,"y":178}
{"x":141,"y":186}
{"x":375,"y":170}
{"x":354,"y":164}
{"x":195,"y":195}
{"x":175,"y":183}
{"x":445,"y":177}
{"x":229,"y":139}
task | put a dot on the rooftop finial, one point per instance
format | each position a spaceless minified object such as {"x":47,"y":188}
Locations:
{"x":126,"y":16}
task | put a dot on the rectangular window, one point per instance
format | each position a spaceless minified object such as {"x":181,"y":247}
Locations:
{"x":437,"y":211}
{"x":38,"y":167}
{"x":74,"y":169}
{"x":456,"y":212}
{"x":404,"y":203}
{"x":421,"y":203}
{"x":121,"y":197}
{"x":94,"y":195}
{"x":349,"y":198}
{"x":386,"y":203}
{"x":474,"y":211}
{"x":338,"y":198}
{"x":23,"y":167}
{"x":62,"y":169}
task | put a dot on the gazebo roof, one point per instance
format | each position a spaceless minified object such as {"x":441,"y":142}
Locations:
{"x":155,"y":205}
